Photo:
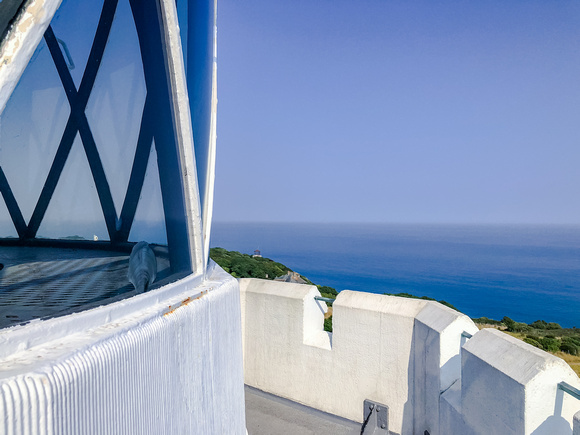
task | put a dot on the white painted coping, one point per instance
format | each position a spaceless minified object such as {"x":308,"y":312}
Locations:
{"x":37,"y":332}
{"x":510,"y":387}
{"x":290,"y":307}
{"x":167,"y":361}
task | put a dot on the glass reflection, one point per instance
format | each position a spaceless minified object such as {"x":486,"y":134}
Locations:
{"x":116,"y":104}
{"x":74,"y":213}
{"x":149,"y":223}
{"x":76,"y":35}
{"x":31,"y":127}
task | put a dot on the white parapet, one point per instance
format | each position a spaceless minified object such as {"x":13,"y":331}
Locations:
{"x":391,"y":350}
{"x":276,"y":332}
{"x":374,"y":355}
{"x":438,"y":336}
{"x":412,"y":355}
{"x":171,"y":365}
{"x":510,"y":387}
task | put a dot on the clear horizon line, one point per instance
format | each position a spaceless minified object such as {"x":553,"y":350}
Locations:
{"x":433,"y":223}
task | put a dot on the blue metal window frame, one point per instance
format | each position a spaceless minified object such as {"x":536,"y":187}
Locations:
{"x":156,"y":124}
{"x":12,"y":205}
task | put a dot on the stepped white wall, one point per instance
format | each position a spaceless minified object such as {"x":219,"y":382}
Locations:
{"x":374,"y":352}
{"x":512,"y":387}
{"x":407,"y":354}
{"x":170,"y":363}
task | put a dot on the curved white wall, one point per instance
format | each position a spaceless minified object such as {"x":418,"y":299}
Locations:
{"x":173,"y":367}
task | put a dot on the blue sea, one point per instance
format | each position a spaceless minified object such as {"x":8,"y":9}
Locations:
{"x":523,"y":272}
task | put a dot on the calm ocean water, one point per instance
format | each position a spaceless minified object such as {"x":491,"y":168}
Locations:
{"x":524,"y":272}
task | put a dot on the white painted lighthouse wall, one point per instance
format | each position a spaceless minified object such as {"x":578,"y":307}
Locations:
{"x":175,"y":367}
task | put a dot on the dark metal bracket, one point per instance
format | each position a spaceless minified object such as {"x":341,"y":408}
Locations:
{"x":376,"y":419}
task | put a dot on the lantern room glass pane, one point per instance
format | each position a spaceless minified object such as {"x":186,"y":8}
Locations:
{"x":74,"y":213}
{"x":75,"y":24}
{"x":79,"y":166}
{"x":149,"y":223}
{"x":7,"y":229}
{"x":116,"y":103}
{"x":31,"y":127}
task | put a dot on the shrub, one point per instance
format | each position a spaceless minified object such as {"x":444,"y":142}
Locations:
{"x":245,"y":266}
{"x":553,"y":325}
{"x":570,"y":348}
{"x":539,"y":324}
{"x":570,"y":345}
{"x":329,"y":296}
{"x":328,"y":324}
{"x":509,"y":323}
{"x":522,"y":327}
{"x":532,"y":342}
{"x":486,"y":321}
{"x":327,"y":290}
{"x":550,"y":344}
{"x":513,"y":326}
{"x":574,"y":340}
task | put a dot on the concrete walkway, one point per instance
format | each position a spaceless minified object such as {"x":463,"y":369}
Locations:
{"x":267,"y":414}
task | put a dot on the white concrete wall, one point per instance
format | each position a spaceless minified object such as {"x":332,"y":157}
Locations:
{"x":405,"y":353}
{"x":172,"y":366}
{"x":438,"y":340}
{"x":510,"y":387}
{"x":376,"y":350}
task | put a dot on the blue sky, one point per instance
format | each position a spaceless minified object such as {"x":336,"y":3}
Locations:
{"x":397,"y":111}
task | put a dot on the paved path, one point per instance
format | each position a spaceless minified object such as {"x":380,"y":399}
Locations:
{"x":267,"y":414}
